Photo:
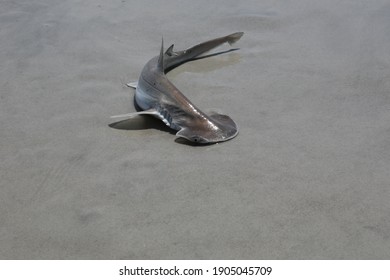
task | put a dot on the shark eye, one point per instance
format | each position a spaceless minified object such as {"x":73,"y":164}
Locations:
{"x":197,"y":139}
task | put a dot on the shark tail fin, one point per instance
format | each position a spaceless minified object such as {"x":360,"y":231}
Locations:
{"x":161,"y":57}
{"x":232,"y":38}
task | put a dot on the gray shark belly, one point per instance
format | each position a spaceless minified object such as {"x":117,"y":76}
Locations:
{"x":144,"y":100}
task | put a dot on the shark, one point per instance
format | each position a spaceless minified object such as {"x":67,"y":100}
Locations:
{"x":156,"y":95}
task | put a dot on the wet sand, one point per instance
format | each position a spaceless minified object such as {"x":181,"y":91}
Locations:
{"x":306,"y":178}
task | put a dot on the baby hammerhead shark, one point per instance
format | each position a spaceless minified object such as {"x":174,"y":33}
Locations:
{"x":158,"y":97}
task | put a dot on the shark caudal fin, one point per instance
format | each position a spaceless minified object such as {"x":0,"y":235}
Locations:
{"x":174,"y":59}
{"x":232,"y":38}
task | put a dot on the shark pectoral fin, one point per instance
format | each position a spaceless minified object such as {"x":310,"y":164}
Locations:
{"x":132,"y":84}
{"x":131,"y":115}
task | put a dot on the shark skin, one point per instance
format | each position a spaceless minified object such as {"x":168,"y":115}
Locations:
{"x":158,"y":97}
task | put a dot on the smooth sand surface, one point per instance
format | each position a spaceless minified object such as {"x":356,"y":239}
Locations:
{"x":308,"y":177}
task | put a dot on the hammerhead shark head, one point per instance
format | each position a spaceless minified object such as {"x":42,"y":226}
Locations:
{"x":158,"y":97}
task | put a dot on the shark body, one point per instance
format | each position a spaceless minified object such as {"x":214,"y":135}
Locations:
{"x":157,"y":96}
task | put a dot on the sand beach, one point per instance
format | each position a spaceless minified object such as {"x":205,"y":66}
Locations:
{"x":306,"y":178}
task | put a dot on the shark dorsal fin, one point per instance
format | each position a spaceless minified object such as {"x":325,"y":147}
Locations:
{"x":169,"y":51}
{"x":161,"y":57}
